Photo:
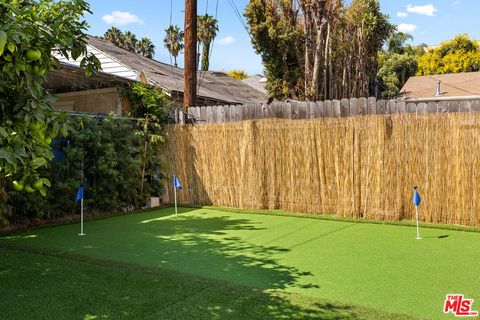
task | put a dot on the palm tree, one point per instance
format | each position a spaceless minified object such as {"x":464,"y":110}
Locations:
{"x":396,"y":42}
{"x":130,"y":42}
{"x":206,"y":32}
{"x":174,"y":41}
{"x":115,"y":36}
{"x":146,"y":48}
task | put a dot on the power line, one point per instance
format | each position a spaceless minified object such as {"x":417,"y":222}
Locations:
{"x":239,"y":16}
{"x":211,"y":48}
{"x":171,"y":10}
{"x":171,"y":61}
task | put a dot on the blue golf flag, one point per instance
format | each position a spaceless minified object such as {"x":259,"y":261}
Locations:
{"x":176,"y":183}
{"x":79,"y":194}
{"x":416,"y":197}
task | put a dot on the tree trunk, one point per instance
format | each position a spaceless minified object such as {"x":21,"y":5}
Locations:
{"x":205,"y":56}
{"x":308,"y":47}
{"x":317,"y":60}
{"x":326,"y":94}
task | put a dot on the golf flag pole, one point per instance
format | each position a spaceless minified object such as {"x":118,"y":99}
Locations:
{"x":175,"y":193}
{"x":80,"y":198}
{"x":416,"y":202}
{"x":176,"y":186}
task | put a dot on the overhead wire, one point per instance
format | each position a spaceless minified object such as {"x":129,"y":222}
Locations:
{"x":211,"y":46}
{"x":239,"y":16}
{"x":170,"y":54}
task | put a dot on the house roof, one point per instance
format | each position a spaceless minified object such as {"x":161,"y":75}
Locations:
{"x":215,"y":86}
{"x":451,"y":85}
{"x":257,"y":82}
{"x":68,"y":78}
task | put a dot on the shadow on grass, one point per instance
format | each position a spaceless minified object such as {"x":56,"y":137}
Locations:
{"x":209,"y":246}
{"x":45,"y":286}
{"x":437,"y":237}
{"x":115,"y":274}
{"x":248,"y":303}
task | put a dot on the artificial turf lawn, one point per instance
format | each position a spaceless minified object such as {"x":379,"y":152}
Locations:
{"x":377,"y":266}
{"x":38,"y":286}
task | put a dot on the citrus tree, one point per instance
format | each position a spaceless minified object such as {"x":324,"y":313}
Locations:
{"x":30,"y":32}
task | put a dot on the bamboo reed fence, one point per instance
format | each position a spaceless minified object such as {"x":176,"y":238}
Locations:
{"x":363,"y":166}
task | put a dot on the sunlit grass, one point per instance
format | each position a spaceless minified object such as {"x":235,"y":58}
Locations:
{"x":306,"y":262}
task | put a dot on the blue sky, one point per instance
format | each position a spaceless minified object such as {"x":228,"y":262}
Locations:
{"x":429,"y":22}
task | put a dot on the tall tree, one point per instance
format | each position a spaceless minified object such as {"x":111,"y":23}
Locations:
{"x":115,"y":36}
{"x":318,"y":49}
{"x":130,"y":42}
{"x":394,"y":71}
{"x":371,"y":29}
{"x":396,"y":64}
{"x":277,"y":34}
{"x":146,"y":48}
{"x":173,"y":41}
{"x":207,"y":27}
{"x":396,"y":42}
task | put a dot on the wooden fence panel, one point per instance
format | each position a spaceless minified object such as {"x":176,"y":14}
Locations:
{"x":336,"y":111}
{"x":362,"y":106}
{"x":344,"y":108}
{"x":422,"y":107}
{"x":297,"y":110}
{"x":287,"y":112}
{"x":372,"y":106}
{"x":381,"y":107}
{"x":319,"y":110}
{"x":327,"y":108}
{"x":354,"y":107}
{"x":432,"y":107}
{"x":302,"y":110}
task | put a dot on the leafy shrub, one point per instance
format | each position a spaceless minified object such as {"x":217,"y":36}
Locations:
{"x":106,"y":155}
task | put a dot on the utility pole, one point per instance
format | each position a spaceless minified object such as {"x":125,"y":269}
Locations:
{"x":190,"y":53}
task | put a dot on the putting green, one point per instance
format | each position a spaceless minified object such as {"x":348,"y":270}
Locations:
{"x":373,"y":265}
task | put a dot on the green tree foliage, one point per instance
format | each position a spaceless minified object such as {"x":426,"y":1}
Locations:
{"x":115,"y":36}
{"x":106,"y":152}
{"x":396,"y":64}
{"x":173,"y":41}
{"x":396,"y":42}
{"x":146,"y":48}
{"x":207,"y":28}
{"x":129,"y":42}
{"x":394,"y":71}
{"x":237,"y":74}
{"x":117,"y":157}
{"x":30,"y":31}
{"x":461,"y":54}
{"x":279,"y":38}
{"x":318,"y":49}
{"x":150,"y":105}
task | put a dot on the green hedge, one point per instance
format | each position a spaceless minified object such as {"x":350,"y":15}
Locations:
{"x":110,"y":154}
